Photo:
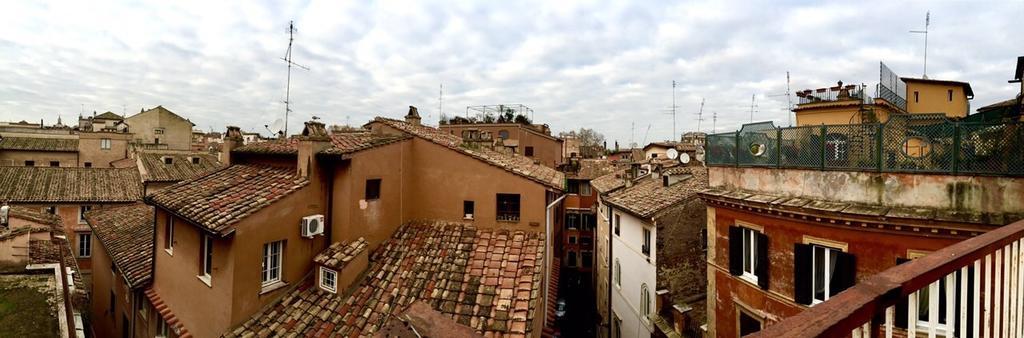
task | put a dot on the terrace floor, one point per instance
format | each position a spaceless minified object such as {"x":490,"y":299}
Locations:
{"x":28,"y":306}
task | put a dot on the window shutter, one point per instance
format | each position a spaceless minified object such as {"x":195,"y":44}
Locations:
{"x":735,"y":251}
{"x":802,"y":270}
{"x":845,"y":273}
{"x":900,"y":320}
{"x":761,"y":269}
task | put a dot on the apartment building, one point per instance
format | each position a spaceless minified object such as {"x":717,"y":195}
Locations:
{"x":41,"y":285}
{"x":793,"y":221}
{"x":160,"y":128}
{"x":35,"y":151}
{"x":70,"y":193}
{"x":524,"y":138}
{"x":162,"y":168}
{"x":603,"y":186}
{"x":577,"y":235}
{"x":231,"y":239}
{"x":654,"y":249}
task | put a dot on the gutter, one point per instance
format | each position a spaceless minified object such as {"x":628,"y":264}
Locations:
{"x":547,"y":252}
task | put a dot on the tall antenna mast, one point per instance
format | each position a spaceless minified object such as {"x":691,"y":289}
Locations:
{"x":789,"y":102}
{"x":632,"y":133}
{"x":714,"y":122}
{"x":288,"y":85}
{"x":673,"y":110}
{"x":927,"y":19}
{"x":440,"y":102}
{"x":753,"y":104}
{"x":700,"y":114}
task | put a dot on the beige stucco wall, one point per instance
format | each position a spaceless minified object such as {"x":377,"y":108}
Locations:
{"x":17,"y":158}
{"x":106,"y":323}
{"x":984,"y":194}
{"x":934,"y":98}
{"x":546,"y":149}
{"x":90,"y":150}
{"x":177,"y":133}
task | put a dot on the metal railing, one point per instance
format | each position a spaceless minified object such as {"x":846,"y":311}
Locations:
{"x":974,"y":288}
{"x":905,"y":143}
{"x":833,"y":94}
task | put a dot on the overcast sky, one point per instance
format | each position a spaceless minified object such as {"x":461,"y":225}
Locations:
{"x":606,"y":66}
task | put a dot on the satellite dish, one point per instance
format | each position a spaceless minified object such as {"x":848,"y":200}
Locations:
{"x":277,"y":126}
{"x":672,"y":153}
{"x":684,"y":158}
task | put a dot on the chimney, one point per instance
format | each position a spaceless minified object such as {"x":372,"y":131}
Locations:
{"x":413,"y":117}
{"x":314,"y":138}
{"x":232,"y":140}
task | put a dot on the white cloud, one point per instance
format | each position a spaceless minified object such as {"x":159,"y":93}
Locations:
{"x":592,"y":64}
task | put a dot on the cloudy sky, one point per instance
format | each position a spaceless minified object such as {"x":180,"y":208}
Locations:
{"x":607,"y":66}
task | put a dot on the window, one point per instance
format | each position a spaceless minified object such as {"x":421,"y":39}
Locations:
{"x":586,"y":241}
{"x":85,"y":245}
{"x":503,"y":134}
{"x":570,"y":258}
{"x":272,"y":253}
{"x":157,"y":140}
{"x":105,"y":143}
{"x":52,"y":210}
{"x":654,"y":155}
{"x":820,"y":272}
{"x":328,"y":279}
{"x":587,"y":259}
{"x":748,"y":324}
{"x":140,"y":306}
{"x":923,"y":307}
{"x":618,"y":222}
{"x":528,"y":151}
{"x":645,"y":302}
{"x":54,"y":163}
{"x":572,"y":187}
{"x":112,"y":302}
{"x":169,"y":234}
{"x":646,"y":247}
{"x":30,"y":163}
{"x":588,"y":222}
{"x":168,"y":160}
{"x":916,"y":96}
{"x":372,"y":189}
{"x":572,"y":239}
{"x":585,"y":188}
{"x":508,"y":207}
{"x":88,"y":164}
{"x":572,"y":221}
{"x":748,"y":255}
{"x":950,"y":94}
{"x":158,"y":131}
{"x":618,"y":273}
{"x":195,"y":160}
{"x":206,"y":256}
{"x":468,"y":209}
{"x":81,"y":213}
{"x":162,"y":330}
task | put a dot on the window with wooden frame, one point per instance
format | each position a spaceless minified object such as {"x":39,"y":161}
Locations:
{"x":821,"y":271}
{"x":372,"y":189}
{"x":748,"y":255}
{"x":273,"y":254}
{"x":508,"y":207}
{"x":169,"y":234}
{"x":206,"y":258}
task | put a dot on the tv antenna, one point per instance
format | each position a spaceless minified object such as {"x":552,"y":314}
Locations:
{"x":753,"y":105}
{"x":440,"y":101}
{"x":646,"y":132}
{"x":714,"y":122}
{"x":927,"y":21}
{"x":673,"y":109}
{"x":789,"y":102}
{"x":700,"y":114}
{"x":288,"y":85}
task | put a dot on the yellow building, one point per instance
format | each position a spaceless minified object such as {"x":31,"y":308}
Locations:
{"x":938,"y":96}
{"x":852,"y":104}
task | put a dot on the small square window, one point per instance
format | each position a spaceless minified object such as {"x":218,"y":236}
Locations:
{"x":618,"y":222}
{"x":168,"y":160}
{"x":508,"y":207}
{"x":30,"y":163}
{"x":195,"y":160}
{"x":372,"y":189}
{"x":528,"y":151}
{"x":328,"y":279}
{"x":572,"y":239}
{"x":54,"y":163}
{"x":88,"y":164}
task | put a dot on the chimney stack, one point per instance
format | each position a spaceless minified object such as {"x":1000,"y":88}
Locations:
{"x":314,"y":138}
{"x":413,"y":117}
{"x":232,"y":140}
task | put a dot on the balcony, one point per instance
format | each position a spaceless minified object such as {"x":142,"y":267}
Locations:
{"x":830,"y":94}
{"x":987,"y":300}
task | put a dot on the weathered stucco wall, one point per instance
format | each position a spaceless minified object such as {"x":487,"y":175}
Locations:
{"x":987,"y":194}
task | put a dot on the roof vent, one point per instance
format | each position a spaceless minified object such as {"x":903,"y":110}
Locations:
{"x":168,"y":160}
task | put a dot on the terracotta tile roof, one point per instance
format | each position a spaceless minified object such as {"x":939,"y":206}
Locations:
{"x":39,"y":144}
{"x":609,"y":182}
{"x":647,"y":196}
{"x":35,"y":215}
{"x":341,"y":143}
{"x":516,"y":164}
{"x":127,"y":234}
{"x":109,"y":116}
{"x":221,"y":198}
{"x":155,"y":169}
{"x":68,"y":185}
{"x":165,"y":312}
{"x":340,"y":253}
{"x":489,"y":280}
{"x":592,"y":168}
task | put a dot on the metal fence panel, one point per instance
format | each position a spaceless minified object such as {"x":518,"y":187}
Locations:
{"x":991,"y":148}
{"x":918,"y":143}
{"x":758,"y":145}
{"x":851,"y":146}
{"x":800,"y":147}
{"x":721,"y":149}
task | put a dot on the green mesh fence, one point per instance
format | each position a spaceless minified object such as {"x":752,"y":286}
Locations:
{"x":906,"y":143}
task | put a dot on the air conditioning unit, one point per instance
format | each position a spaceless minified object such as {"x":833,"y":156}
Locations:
{"x":312,"y":226}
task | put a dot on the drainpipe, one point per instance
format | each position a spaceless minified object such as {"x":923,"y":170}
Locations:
{"x":547,"y":253}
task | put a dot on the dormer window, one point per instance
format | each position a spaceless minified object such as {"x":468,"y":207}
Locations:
{"x":195,"y":160}
{"x":328,"y":280}
{"x":168,"y":160}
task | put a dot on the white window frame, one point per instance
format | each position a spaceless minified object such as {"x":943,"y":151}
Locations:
{"x":81,"y":213}
{"x":749,"y":238}
{"x":206,"y":256}
{"x":169,"y":233}
{"x":646,"y":242}
{"x":645,"y":302}
{"x":269,"y":273}
{"x":828,"y":273}
{"x":84,"y":246}
{"x":618,"y":273}
{"x":105,"y":144}
{"x":923,"y":302}
{"x":332,"y":286}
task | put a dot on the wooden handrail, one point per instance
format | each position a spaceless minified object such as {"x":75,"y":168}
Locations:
{"x":855,"y":306}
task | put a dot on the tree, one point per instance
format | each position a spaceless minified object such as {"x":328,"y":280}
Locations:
{"x":591,"y":142}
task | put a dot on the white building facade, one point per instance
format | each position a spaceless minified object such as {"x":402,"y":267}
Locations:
{"x":634,"y":274}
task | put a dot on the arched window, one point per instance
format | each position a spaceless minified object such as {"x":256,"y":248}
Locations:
{"x":645,"y":301}
{"x":503,"y":134}
{"x":618,"y":273}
